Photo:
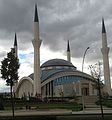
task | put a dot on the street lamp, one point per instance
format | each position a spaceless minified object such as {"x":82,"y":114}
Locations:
{"x":82,"y":71}
{"x":84,"y":57}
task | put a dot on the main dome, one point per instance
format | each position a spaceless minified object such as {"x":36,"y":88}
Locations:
{"x":57,"y":62}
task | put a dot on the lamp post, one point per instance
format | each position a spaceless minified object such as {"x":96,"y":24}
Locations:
{"x":84,"y":57}
{"x":82,"y":71}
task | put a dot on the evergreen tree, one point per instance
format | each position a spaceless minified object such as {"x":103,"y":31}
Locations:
{"x":9,"y":72}
{"x":9,"y":68}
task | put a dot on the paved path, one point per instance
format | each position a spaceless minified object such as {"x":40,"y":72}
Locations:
{"x":92,"y":111}
{"x":35,"y":112}
{"x":54,"y":112}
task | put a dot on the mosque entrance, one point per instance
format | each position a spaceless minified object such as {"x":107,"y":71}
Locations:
{"x":85,"y":89}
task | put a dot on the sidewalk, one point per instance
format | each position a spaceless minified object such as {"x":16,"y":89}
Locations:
{"x":53,"y":112}
{"x":93,"y":111}
{"x":36,"y":112}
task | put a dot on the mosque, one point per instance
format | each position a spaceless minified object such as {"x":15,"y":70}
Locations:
{"x":59,"y":77}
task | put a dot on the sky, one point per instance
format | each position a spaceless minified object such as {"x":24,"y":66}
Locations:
{"x":78,"y":21}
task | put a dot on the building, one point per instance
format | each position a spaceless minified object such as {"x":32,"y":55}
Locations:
{"x":58,"y":77}
{"x":55,"y":77}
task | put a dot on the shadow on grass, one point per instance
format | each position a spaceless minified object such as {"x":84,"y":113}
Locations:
{"x":56,"y":118}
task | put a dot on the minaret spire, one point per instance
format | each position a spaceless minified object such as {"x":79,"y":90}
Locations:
{"x":68,"y":52}
{"x":68,"y":47}
{"x":15,"y":46}
{"x":15,"y":40}
{"x":105,"y":52}
{"x":36,"y":14}
{"x":103,"y":26}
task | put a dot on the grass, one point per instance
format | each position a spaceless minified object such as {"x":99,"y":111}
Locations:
{"x":71,"y":106}
{"x":41,"y":106}
{"x":106,"y":102}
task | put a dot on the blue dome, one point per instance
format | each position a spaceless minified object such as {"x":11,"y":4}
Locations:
{"x":56,"y":65}
{"x":57,"y":62}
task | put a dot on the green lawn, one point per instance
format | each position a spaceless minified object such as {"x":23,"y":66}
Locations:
{"x":107,"y":103}
{"x":72,"y":106}
{"x":40,"y":106}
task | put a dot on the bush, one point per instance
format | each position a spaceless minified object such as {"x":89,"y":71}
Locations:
{"x":1,"y":106}
{"x":1,"y":103}
{"x":106,"y":102}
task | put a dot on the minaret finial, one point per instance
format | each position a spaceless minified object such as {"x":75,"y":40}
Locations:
{"x":15,"y":40}
{"x":36,"y":14}
{"x":68,"y":47}
{"x":103,"y":26}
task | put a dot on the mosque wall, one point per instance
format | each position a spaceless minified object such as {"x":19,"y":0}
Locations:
{"x":25,"y":89}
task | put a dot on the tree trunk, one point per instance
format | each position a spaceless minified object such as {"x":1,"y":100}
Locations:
{"x":100,"y":98}
{"x":12,"y":101}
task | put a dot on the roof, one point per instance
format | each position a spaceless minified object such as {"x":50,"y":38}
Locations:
{"x":48,"y":73}
{"x":57,"y":62}
{"x":45,"y":74}
{"x":53,"y":63}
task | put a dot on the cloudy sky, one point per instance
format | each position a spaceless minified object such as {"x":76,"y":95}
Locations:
{"x":78,"y":21}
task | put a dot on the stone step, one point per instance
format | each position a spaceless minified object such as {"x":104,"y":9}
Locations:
{"x":89,"y":102}
{"x":92,"y":106}
{"x":90,"y":99}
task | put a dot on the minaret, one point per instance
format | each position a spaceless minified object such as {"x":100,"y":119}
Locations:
{"x":36,"y":44}
{"x":15,"y":46}
{"x":16,"y":55}
{"x":68,"y":52}
{"x":105,"y":52}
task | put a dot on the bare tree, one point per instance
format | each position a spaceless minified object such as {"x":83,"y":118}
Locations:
{"x":96,"y":73}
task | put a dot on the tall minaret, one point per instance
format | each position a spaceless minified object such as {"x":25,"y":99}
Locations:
{"x":68,"y":52}
{"x":105,"y":52}
{"x":16,"y":55}
{"x":36,"y":44}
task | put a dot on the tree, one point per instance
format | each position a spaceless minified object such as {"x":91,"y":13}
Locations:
{"x":96,"y":73}
{"x":9,"y":71}
{"x":1,"y":102}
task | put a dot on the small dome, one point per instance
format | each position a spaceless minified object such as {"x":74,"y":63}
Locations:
{"x":56,"y":62}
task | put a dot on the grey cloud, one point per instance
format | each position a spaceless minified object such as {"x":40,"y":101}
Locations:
{"x":2,"y":54}
{"x":79,"y":21}
{"x":60,"y":20}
